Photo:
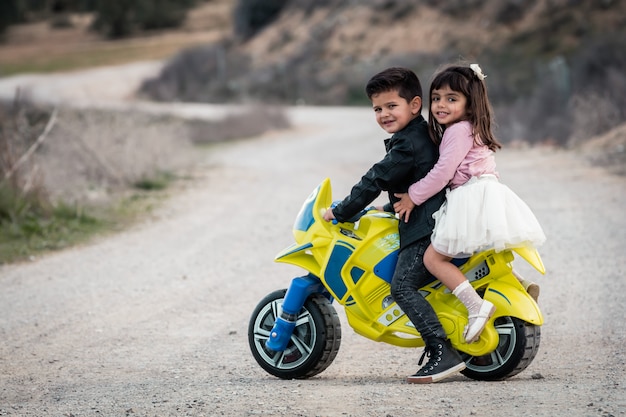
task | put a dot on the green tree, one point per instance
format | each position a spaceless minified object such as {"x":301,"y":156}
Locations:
{"x":120,"y":18}
{"x":9,"y":14}
{"x":251,"y":16}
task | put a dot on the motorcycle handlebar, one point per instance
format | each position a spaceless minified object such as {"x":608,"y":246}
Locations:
{"x":354,"y":218}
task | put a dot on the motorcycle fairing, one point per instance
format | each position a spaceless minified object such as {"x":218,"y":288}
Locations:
{"x":356,"y":262}
{"x":511,"y":299}
{"x":305,"y":219}
{"x":338,"y":257}
{"x":531,"y":256}
{"x":299,"y":255}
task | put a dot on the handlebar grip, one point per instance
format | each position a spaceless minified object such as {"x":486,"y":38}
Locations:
{"x":357,"y":216}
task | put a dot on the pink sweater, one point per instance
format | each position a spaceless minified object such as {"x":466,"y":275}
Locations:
{"x":460,"y":158}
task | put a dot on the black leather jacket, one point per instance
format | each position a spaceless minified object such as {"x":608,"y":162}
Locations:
{"x":410,"y":155}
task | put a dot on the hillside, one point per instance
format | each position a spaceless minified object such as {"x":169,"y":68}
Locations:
{"x":540,"y":56}
{"x":555,"y":67}
{"x":555,"y":76}
{"x":43,"y":48}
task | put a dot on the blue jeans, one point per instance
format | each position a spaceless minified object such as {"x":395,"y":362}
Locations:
{"x":409,"y":277}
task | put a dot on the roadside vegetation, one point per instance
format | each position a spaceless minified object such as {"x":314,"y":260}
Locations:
{"x":555,"y":73}
{"x":114,"y":19}
{"x":77,"y":34}
{"x":68,"y":175}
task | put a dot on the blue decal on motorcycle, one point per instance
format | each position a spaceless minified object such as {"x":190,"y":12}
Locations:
{"x":387,"y":266}
{"x":344,"y":243}
{"x":305,"y":219}
{"x":337,"y":260}
{"x":501,"y":295}
{"x":356,"y":274}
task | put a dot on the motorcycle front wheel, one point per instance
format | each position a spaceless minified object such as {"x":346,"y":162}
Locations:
{"x":313,"y":345}
{"x":517,"y":347}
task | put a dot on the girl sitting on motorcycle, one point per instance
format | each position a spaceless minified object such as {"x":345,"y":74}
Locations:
{"x":479,"y":212}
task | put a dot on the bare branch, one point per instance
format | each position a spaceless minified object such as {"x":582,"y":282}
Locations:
{"x":33,"y":148}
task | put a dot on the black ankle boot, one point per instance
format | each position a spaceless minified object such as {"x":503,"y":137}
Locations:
{"x":444,"y":361}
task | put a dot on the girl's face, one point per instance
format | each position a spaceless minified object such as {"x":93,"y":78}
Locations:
{"x":447,"y":106}
{"x":393,"y":112}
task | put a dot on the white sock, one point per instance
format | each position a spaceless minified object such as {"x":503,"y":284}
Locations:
{"x":469,"y":297}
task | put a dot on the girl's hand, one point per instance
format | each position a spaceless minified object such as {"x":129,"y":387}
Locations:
{"x":328,"y":215}
{"x":403,"y":207}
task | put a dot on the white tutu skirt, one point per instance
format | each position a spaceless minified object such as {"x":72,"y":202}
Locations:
{"x":484,"y":214}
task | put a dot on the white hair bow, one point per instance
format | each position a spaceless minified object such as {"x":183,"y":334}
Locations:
{"x":478,"y":71}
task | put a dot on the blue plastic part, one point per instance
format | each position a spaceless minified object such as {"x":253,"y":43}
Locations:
{"x":356,"y":273}
{"x":459,"y":262}
{"x":280,"y":335}
{"x":387,"y":266}
{"x":336,"y":262}
{"x":305,"y":218}
{"x":299,"y":290}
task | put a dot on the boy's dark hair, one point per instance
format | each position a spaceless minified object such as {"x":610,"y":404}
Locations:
{"x":399,"y":79}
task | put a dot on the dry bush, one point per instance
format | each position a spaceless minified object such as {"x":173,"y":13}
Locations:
{"x":206,"y":74}
{"x":23,"y":126}
{"x":89,"y":156}
{"x":593,"y":114}
{"x":564,"y":100}
{"x":92,"y":154}
{"x":251,"y":122}
{"x":64,"y":171}
{"x":599,"y":80}
{"x":608,"y":150}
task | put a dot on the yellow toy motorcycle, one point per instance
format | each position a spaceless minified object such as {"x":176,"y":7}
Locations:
{"x":296,"y":333}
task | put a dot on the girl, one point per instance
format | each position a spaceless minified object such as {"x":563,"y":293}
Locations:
{"x":479,"y":212}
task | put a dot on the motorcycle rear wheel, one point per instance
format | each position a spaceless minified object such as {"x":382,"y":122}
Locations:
{"x":313,"y":345}
{"x":518,"y":345}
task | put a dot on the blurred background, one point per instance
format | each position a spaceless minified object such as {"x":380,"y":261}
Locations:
{"x":555,"y":67}
{"x":555,"y":72}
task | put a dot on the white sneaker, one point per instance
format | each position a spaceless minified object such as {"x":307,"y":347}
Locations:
{"x":478,"y":321}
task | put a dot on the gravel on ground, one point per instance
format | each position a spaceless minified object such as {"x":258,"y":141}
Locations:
{"x":153,"y":321}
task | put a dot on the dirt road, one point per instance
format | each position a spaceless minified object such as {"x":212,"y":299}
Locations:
{"x":153,"y":321}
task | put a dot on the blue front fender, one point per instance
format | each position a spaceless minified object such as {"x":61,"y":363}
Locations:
{"x":297,"y":293}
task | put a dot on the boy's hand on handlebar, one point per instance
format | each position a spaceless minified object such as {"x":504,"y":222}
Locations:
{"x":328,"y":215}
{"x":403,"y":207}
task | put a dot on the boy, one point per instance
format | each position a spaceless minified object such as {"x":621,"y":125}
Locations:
{"x":396,"y":96}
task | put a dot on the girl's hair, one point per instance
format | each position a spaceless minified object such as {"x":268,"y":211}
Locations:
{"x":399,"y":79}
{"x":464,"y":80}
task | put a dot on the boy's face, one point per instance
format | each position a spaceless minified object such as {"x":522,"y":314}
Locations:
{"x":393,"y":112}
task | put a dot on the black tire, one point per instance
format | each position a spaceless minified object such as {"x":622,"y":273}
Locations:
{"x":314,"y":343}
{"x":518,"y":345}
